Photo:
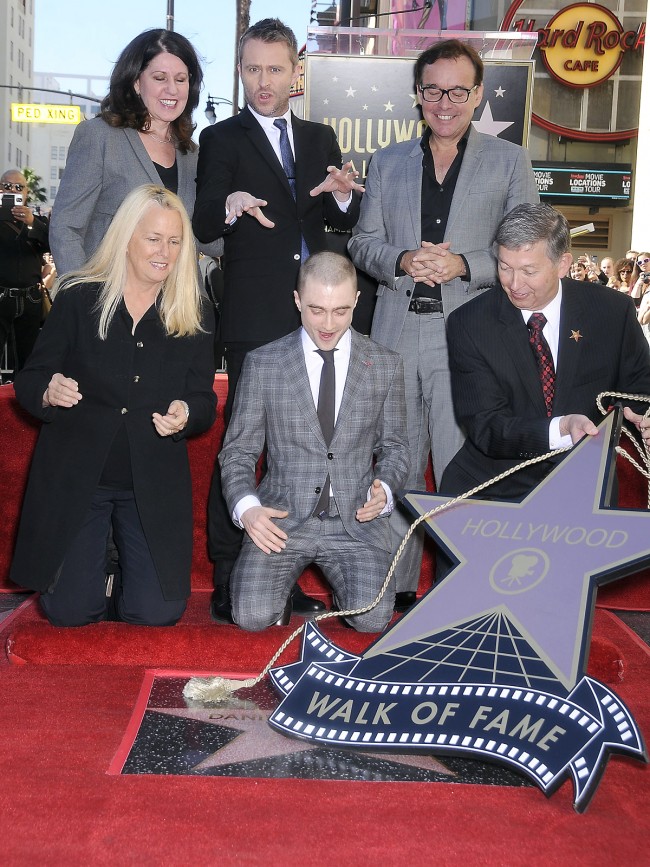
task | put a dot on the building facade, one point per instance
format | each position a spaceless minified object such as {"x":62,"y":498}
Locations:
{"x":16,"y":76}
{"x":586,"y":96}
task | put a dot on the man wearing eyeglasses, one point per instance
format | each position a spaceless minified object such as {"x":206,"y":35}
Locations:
{"x":23,"y":240}
{"x":428,"y":218}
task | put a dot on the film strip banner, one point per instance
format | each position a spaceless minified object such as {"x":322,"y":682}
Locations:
{"x":545,"y":736}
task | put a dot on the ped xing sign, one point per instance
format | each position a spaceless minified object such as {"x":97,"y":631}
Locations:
{"x":24,"y":112}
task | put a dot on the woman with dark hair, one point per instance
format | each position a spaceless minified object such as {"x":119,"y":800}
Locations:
{"x":622,"y":275}
{"x":143,"y":135}
{"x":640,"y":277}
{"x":121,"y":374}
{"x":578,"y":270}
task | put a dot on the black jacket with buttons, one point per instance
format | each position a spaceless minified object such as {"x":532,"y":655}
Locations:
{"x":122,"y":380}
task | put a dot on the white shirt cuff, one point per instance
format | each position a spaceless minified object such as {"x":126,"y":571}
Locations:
{"x":343,"y":205}
{"x":247,"y":502}
{"x":390,"y":503}
{"x":555,"y":439}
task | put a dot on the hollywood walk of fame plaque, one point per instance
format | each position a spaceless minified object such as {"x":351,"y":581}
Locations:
{"x":491,"y":662}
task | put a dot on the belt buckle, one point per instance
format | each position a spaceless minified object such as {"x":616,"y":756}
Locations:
{"x":423,"y":304}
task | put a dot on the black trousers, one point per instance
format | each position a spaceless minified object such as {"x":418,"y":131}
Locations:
{"x":224,"y":538}
{"x":22,"y":313}
{"x":79,"y":595}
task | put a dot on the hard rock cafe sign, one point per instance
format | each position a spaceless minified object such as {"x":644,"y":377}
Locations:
{"x":581,"y":46}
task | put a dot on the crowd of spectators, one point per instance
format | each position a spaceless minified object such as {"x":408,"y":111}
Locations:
{"x":629,"y":274}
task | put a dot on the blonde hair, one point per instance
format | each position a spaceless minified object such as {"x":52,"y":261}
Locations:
{"x":180,"y":307}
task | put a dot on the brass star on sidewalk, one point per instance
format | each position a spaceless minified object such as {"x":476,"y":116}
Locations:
{"x":255,"y":740}
{"x":575,"y":335}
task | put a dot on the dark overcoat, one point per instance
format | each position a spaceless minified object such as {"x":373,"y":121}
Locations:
{"x":123,"y":380}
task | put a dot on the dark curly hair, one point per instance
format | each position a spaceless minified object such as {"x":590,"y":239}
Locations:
{"x":123,"y":107}
{"x":449,"y":49}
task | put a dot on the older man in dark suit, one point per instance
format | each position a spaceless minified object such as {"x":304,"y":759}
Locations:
{"x":329,"y":404}
{"x":267,"y":182}
{"x":529,"y":357}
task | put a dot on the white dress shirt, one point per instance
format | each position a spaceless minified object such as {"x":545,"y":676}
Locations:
{"x":551,"y":332}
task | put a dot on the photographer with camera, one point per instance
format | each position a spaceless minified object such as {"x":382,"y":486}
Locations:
{"x":23,"y":240}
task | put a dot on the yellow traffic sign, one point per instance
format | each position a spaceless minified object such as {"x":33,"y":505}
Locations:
{"x":43,"y":113}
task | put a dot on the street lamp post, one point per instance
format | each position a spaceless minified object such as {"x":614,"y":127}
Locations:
{"x":210,"y":113}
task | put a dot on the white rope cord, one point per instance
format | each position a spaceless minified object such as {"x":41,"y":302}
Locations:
{"x":216,"y":689}
{"x":642,"y":450}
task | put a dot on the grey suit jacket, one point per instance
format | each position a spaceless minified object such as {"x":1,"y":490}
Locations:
{"x":104,"y":164}
{"x":495,"y":176}
{"x":274,"y":403}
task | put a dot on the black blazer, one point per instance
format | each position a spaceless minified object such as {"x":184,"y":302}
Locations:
{"x":496,"y":389}
{"x":261,"y":265}
{"x":73,"y":444}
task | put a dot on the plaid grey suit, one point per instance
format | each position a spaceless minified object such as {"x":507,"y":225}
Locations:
{"x":274,"y":404}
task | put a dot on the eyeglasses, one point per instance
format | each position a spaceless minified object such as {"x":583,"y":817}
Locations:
{"x":626,"y":271}
{"x":640,"y":262}
{"x":432,"y":93}
{"x":15,"y":187}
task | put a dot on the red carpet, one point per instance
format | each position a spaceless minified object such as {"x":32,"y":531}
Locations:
{"x":63,"y":725}
{"x":195,"y":642}
{"x":629,"y":594}
{"x":198,"y":644}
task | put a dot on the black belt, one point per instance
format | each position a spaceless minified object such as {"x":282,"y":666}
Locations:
{"x":422,"y":304}
{"x":18,"y":292}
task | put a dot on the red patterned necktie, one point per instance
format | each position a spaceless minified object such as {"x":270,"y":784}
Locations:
{"x":543,"y":357}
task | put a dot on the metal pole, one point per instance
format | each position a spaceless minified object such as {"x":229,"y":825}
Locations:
{"x":21,"y":87}
{"x":170,"y":14}
{"x":242,"y":22}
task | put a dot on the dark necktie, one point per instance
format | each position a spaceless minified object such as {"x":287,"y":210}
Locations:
{"x":288,"y":162}
{"x":325,"y":409}
{"x":289,"y":166}
{"x":543,"y":357}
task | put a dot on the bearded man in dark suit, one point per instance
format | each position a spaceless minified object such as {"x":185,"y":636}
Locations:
{"x":267,"y":183}
{"x":509,"y":411}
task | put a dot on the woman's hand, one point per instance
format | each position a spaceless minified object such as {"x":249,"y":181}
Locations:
{"x":173,"y":421}
{"x":644,"y":310}
{"x":62,"y":391}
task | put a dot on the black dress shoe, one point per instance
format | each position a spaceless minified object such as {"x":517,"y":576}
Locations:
{"x":220,"y":609}
{"x":404,"y":600}
{"x":305,"y":606}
